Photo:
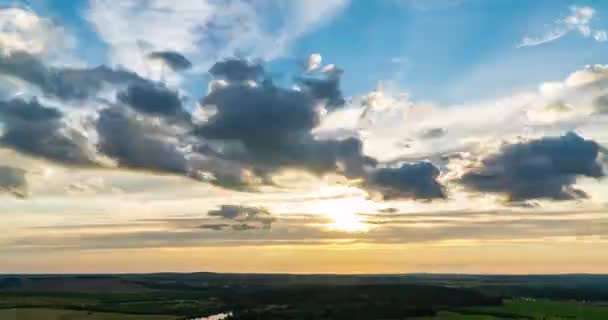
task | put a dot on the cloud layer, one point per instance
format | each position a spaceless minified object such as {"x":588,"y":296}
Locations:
{"x":543,"y":168}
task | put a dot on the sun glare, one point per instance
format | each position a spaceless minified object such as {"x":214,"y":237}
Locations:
{"x":346,"y":221}
{"x":344,"y":214}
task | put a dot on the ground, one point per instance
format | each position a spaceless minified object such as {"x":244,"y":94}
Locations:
{"x":270,"y":297}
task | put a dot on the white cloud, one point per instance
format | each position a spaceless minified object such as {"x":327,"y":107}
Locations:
{"x":23,"y":30}
{"x":314,"y":62}
{"x":390,"y":123}
{"x":579,"y":20}
{"x":204,"y":30}
{"x":600,"y":36}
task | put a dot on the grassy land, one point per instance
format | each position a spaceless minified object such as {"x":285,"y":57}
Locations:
{"x":457,"y":316}
{"x":184,"y":296}
{"x":529,"y":309}
{"x":54,"y":314}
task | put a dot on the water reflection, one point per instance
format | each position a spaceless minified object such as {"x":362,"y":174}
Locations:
{"x":219,"y":316}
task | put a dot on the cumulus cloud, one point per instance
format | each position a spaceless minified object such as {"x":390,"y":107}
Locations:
{"x":13,"y":181}
{"x":63,"y":83}
{"x":40,"y":131}
{"x":326,"y":89}
{"x":153,"y":99}
{"x":579,"y":20}
{"x":139,"y":143}
{"x":22,"y":30}
{"x":541,"y":168}
{"x":411,"y":180}
{"x":274,"y":125}
{"x":237,"y":70}
{"x":580,"y":94}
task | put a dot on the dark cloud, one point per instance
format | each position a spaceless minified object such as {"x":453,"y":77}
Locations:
{"x":258,"y":115}
{"x":18,"y":110}
{"x":13,"y":181}
{"x":154,"y":99}
{"x":175,"y":60}
{"x":139,"y":143}
{"x":256,"y":130}
{"x":237,"y":70}
{"x":63,"y":83}
{"x":274,"y":125}
{"x":39,"y":131}
{"x":542,"y":168}
{"x":325,"y":89}
{"x":241,"y":217}
{"x":411,"y":180}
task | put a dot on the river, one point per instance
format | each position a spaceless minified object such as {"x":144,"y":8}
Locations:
{"x":219,"y":316}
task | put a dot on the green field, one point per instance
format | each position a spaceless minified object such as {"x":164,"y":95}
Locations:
{"x":529,"y":309}
{"x":296,"y":297}
{"x":55,"y":314}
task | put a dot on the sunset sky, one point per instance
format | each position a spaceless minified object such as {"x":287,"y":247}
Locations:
{"x":312,"y":136}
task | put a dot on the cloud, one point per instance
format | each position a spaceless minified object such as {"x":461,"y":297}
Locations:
{"x":149,"y":143}
{"x":174,"y":60}
{"x":21,"y":30}
{"x":274,"y":126}
{"x":411,"y":180}
{"x":601,"y":104}
{"x":542,"y":168}
{"x":579,"y":20}
{"x":36,"y":130}
{"x":433,"y":133}
{"x":237,"y":70}
{"x":581,"y":94}
{"x":63,"y":83}
{"x":13,"y":181}
{"x":313,"y":62}
{"x":153,"y":99}
{"x":242,"y":218}
{"x":600,"y":36}
{"x":18,"y":110}
{"x":205,"y":31}
{"x":139,"y":143}
{"x":326,"y":89}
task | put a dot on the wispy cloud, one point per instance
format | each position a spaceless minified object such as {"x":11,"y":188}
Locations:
{"x":579,"y":20}
{"x":204,"y":31}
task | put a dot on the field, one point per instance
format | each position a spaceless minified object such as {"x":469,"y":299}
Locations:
{"x":57,"y":314}
{"x":189,"y":296}
{"x":529,"y":309}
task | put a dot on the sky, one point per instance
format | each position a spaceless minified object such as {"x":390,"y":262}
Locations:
{"x":317,"y":136}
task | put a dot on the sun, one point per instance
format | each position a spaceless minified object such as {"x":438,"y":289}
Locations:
{"x":344,"y":214}
{"x":346,"y":221}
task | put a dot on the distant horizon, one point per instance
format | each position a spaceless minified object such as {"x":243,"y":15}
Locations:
{"x":307,"y":274}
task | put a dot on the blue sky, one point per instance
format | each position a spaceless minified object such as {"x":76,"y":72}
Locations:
{"x":457,"y":127}
{"x":439,"y":51}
